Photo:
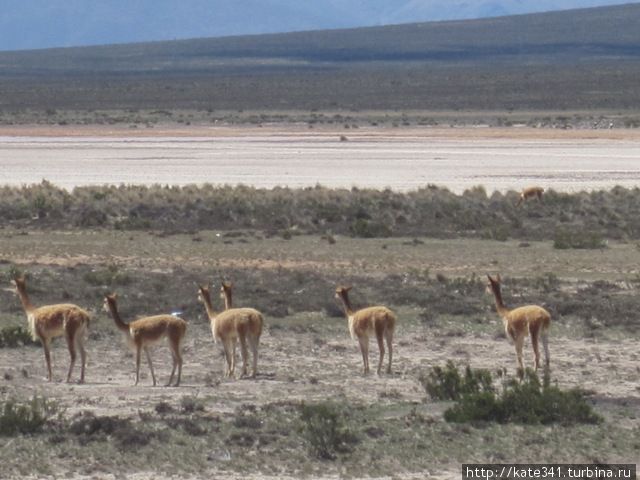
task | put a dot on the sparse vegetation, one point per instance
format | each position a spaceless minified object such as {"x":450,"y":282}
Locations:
{"x":528,"y":402}
{"x":571,"y":221}
{"x":20,"y":417}
{"x":15,"y":336}
{"x":448,"y":384}
{"x":326,"y":431}
{"x":564,"y":239}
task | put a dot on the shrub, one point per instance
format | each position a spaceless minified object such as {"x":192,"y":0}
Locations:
{"x":325,"y":430}
{"x":448,"y":384}
{"x":527,"y":402}
{"x":565,"y":239}
{"x":364,"y":228}
{"x":21,"y":418}
{"x":124,"y":432}
{"x":16,"y":336}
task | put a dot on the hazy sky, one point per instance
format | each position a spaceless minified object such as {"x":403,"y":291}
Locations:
{"x":48,"y":23}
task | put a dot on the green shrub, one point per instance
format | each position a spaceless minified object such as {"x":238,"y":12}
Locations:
{"x":526,"y":402}
{"x":22,"y":418}
{"x":448,"y":384}
{"x":325,"y":430}
{"x":16,"y":336}
{"x":566,"y":239}
{"x":364,"y":228}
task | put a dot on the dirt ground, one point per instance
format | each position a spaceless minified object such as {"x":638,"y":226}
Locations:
{"x":310,"y":367}
{"x":309,"y":356}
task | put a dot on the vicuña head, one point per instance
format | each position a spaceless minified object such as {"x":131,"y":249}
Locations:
{"x":377,"y":320}
{"x":51,"y":321}
{"x":144,"y":332}
{"x":531,"y":320}
{"x":530,"y":192}
{"x":244,"y":324}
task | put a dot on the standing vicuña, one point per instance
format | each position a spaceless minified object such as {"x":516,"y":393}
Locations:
{"x":530,"y":320}
{"x":52,"y":321}
{"x":530,"y":192}
{"x":379,"y":320}
{"x":244,"y":324}
{"x":144,"y":332}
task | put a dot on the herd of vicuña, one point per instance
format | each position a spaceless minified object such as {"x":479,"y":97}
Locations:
{"x":245,"y":325}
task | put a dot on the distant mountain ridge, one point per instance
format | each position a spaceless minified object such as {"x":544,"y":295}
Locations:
{"x":584,"y":59}
{"x":572,"y":35}
{"x":65,"y":23}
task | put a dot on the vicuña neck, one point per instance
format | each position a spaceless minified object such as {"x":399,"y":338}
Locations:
{"x":113,"y":308}
{"x":346,"y":303}
{"x":227,"y":300}
{"x":502,"y":310}
{"x":206,"y":298}
{"x":24,"y":299}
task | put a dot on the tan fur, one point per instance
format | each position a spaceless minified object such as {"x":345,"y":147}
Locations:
{"x":369,"y":321}
{"x":244,"y":324}
{"x":531,"y":320}
{"x":50,"y":321}
{"x":530,"y":192}
{"x":145,"y":332}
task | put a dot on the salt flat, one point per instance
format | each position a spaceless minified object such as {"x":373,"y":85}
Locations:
{"x":402,"y":161}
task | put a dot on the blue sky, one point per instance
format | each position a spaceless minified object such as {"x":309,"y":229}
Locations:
{"x":26,"y":24}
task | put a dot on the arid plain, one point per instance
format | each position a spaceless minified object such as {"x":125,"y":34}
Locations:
{"x":211,"y":427}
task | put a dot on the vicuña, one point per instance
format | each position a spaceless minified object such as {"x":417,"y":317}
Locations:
{"x":51,"y":321}
{"x":244,"y":324}
{"x":530,"y":192}
{"x":144,"y":332}
{"x":367,"y":321}
{"x":530,"y":320}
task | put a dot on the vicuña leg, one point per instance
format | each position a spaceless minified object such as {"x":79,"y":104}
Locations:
{"x":71,"y":345}
{"x":253,"y":343}
{"x":244,"y":353}
{"x":389,"y":337}
{"x":174,"y":363}
{"x":46,"y":343}
{"x":545,"y":345}
{"x":519,"y":344}
{"x":138,"y":349}
{"x":380,"y":338}
{"x":535,"y":332}
{"x":364,"y":349}
{"x":83,"y":353}
{"x":153,"y":375}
